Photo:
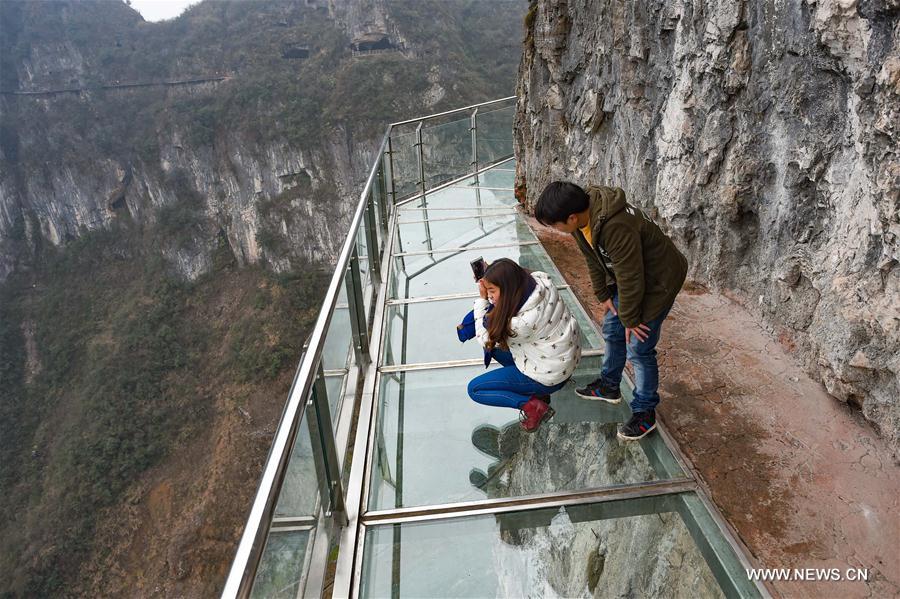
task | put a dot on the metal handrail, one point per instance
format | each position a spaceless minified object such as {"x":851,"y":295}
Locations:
{"x":249,"y":552}
{"x":246,"y":561}
{"x":454,"y":111}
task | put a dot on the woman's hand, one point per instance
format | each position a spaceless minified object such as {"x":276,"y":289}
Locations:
{"x":481,"y":290}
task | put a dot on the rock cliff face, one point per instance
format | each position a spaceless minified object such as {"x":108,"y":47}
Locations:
{"x":61,"y":203}
{"x":763,"y":136}
{"x":238,"y":133}
{"x":270,"y":138}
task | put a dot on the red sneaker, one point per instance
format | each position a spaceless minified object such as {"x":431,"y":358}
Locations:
{"x":533,"y":412}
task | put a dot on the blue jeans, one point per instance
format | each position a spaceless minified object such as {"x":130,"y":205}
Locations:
{"x":506,"y":387}
{"x":641,"y":354}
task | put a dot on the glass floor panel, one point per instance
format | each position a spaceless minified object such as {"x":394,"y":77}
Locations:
{"x":445,"y":274}
{"x":417,"y":215}
{"x":414,"y":237}
{"x":502,"y":179}
{"x":403,"y":346}
{"x":455,"y":198}
{"x":435,"y":445}
{"x":633,"y":548}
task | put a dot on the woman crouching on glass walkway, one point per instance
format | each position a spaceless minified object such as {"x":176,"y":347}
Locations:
{"x":522,"y":323}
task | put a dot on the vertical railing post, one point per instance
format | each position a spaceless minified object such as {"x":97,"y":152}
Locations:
{"x":321,"y":434}
{"x":383,"y":195}
{"x":390,"y":154}
{"x":358,"y":320}
{"x":421,"y":155}
{"x":369,"y":224}
{"x":473,"y":128}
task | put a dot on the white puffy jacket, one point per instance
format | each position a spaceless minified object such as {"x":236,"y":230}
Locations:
{"x":547,"y":343}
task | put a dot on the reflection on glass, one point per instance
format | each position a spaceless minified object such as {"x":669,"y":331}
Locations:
{"x":495,"y":139}
{"x":339,"y":338}
{"x":334,"y":386}
{"x":426,"y":419}
{"x":365,"y":270}
{"x":444,"y":274}
{"x":426,"y":237}
{"x":456,"y":201}
{"x":405,"y":343}
{"x":502,"y":178}
{"x":447,"y":151}
{"x":405,"y":164}
{"x":633,"y":548}
{"x":281,"y":567}
{"x":300,"y":490}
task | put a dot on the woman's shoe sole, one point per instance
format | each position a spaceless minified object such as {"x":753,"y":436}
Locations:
{"x":624,"y":438}
{"x":596,"y":398}
{"x":547,"y":416}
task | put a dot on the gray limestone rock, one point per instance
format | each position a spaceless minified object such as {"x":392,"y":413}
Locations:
{"x":763,"y":137}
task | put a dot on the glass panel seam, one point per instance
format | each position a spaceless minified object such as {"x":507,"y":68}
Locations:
{"x":530,"y":502}
{"x":467,"y":248}
{"x":461,"y":217}
{"x":389,"y":368}
{"x":482,"y":187}
{"x":441,"y":298}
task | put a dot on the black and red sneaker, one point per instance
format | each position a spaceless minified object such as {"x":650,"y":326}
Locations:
{"x":533,"y":412}
{"x":639,"y":426}
{"x":599,"y":390}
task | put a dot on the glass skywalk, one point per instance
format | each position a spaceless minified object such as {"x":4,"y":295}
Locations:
{"x":435,"y":448}
{"x":386,"y":480}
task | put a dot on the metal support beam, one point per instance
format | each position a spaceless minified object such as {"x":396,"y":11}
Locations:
{"x":529,"y":502}
{"x":456,"y":250}
{"x":369,"y":224}
{"x":390,"y":155}
{"x":473,"y":128}
{"x":358,"y":320}
{"x":382,"y":196}
{"x":420,"y":156}
{"x":328,"y":468}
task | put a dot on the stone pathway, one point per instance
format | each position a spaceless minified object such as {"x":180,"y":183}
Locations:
{"x":805,"y":481}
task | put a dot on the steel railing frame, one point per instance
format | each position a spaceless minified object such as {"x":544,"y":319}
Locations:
{"x":305,"y":391}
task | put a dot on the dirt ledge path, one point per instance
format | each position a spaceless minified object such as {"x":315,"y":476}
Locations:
{"x":804,"y":479}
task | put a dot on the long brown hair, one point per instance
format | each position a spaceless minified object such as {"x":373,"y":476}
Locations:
{"x":513,"y":281}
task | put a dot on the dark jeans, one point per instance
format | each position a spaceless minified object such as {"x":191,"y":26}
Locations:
{"x":641,"y":354}
{"x":506,"y":387}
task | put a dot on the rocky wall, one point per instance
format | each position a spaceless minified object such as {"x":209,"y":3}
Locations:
{"x":763,"y":137}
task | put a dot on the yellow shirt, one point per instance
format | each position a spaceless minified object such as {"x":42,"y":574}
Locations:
{"x":586,"y":231}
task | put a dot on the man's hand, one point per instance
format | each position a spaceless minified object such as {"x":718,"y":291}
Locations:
{"x":641,"y":331}
{"x":481,"y":290}
{"x":608,"y":304}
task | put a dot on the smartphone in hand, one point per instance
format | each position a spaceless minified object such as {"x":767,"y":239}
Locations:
{"x":478,"y":267}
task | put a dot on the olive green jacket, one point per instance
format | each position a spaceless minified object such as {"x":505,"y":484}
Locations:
{"x":631,"y":252}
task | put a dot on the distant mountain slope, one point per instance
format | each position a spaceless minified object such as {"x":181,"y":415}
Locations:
{"x":163,"y":249}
